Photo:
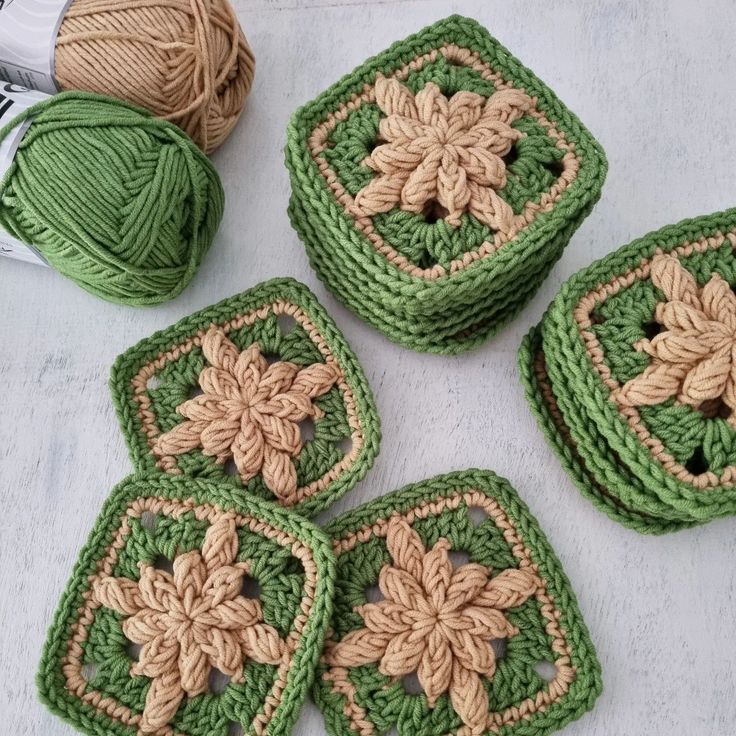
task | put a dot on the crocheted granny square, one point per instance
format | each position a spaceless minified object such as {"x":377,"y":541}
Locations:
{"x":452,"y":616}
{"x":632,"y":378}
{"x":436,"y":185}
{"x":192,"y":610}
{"x":260,"y":390}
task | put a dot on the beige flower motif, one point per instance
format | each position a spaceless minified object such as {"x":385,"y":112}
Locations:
{"x":444,"y":151}
{"x":250,"y":411}
{"x":436,"y":621}
{"x":694,"y":358}
{"x":190,"y":622}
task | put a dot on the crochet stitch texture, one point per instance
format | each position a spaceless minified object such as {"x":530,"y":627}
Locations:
{"x":472,"y":600}
{"x":260,"y":391}
{"x":164,"y":568}
{"x":631,"y":376}
{"x":435,"y":186}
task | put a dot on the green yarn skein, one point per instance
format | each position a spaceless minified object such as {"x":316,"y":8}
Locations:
{"x":120,"y":202}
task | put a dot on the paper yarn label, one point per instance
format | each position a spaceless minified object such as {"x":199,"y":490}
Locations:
{"x":14,"y":99}
{"x":28,"y":31}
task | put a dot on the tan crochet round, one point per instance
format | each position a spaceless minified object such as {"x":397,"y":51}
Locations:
{"x":448,"y":152}
{"x":436,"y":621}
{"x":694,"y":358}
{"x":190,"y":622}
{"x":249,"y":412}
{"x":186,"y":61}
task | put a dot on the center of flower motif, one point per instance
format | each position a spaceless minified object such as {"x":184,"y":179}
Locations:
{"x":437,"y":621}
{"x":249,"y":411}
{"x":448,"y":151}
{"x":694,"y":358}
{"x":190,"y":622}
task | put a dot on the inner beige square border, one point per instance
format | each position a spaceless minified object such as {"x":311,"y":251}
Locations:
{"x":582,"y":315}
{"x":72,"y":663}
{"x":566,"y":673}
{"x":147,"y":416}
{"x":318,"y":142}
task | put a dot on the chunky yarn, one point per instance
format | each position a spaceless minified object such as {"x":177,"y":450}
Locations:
{"x":116,"y":200}
{"x":186,"y":61}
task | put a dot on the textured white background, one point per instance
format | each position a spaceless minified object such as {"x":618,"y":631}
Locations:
{"x":654,"y":82}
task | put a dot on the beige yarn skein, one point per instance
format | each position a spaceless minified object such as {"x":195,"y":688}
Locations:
{"x":186,"y":61}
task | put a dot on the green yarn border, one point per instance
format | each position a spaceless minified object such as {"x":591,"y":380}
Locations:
{"x":613,"y":455}
{"x":50,"y":679}
{"x":131,"y":361}
{"x":344,"y":259}
{"x":588,"y":683}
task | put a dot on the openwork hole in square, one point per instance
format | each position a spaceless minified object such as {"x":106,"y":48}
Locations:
{"x":251,"y":588}
{"x":164,"y":563}
{"x":697,"y":464}
{"x":286,"y":323}
{"x":546,"y":670}
{"x":217,"y":682}
{"x":411,"y":684}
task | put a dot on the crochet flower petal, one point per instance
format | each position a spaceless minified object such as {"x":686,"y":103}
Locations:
{"x":421,"y":184}
{"x":358,"y":648}
{"x":432,"y":106}
{"x":452,"y":187}
{"x":233,"y":615}
{"x":394,"y":98}
{"x":435,"y":667}
{"x":437,"y":573}
{"x":719,"y":301}
{"x":219,"y":350}
{"x":508,"y":589}
{"x":659,"y":382}
{"x":676,"y":282}
{"x":686,"y":347}
{"x":190,"y":574}
{"x":182,"y":438}
{"x":144,"y":626}
{"x":485,"y":205}
{"x":220,"y":546}
{"x":194,"y":666}
{"x":282,"y":435}
{"x":248,"y":450}
{"x":278,"y":379}
{"x":403,"y":133}
{"x":158,"y":590}
{"x":157,"y":658}
{"x":403,"y":654}
{"x":262,"y":644}
{"x":291,"y":406}
{"x":406,"y":548}
{"x":218,"y":383}
{"x":679,"y":316}
{"x":483,"y":167}
{"x":391,"y":156}
{"x":162,"y":701}
{"x":468,"y":698}
{"x":399,"y":586}
{"x":224,"y":651}
{"x":506,"y":106}
{"x":120,"y":594}
{"x":279,"y":473}
{"x":204,"y":407}
{"x":708,"y":379}
{"x":249,"y":370}
{"x":465,"y":584}
{"x":218,"y":436}
{"x":486,"y":622}
{"x":465,"y":108}
{"x":223,"y":585}
{"x":384,"y":617}
{"x":382,"y":193}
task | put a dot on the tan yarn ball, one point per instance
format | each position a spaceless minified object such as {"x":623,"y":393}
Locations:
{"x":186,"y":61}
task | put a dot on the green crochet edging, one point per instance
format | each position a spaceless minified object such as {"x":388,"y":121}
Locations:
{"x":179,"y":377}
{"x":384,"y":702}
{"x":273,"y":568}
{"x":459,"y":310}
{"x":597,"y":447}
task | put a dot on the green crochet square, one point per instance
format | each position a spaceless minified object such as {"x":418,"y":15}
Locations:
{"x":429,"y":278}
{"x":644,"y":425}
{"x":192,"y":610}
{"x":452,"y":616}
{"x":294,"y":421}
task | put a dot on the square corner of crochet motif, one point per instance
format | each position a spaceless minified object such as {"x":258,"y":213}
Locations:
{"x":649,"y":332}
{"x":260,"y":391}
{"x":452,"y":611}
{"x":440,"y":151}
{"x":190,"y":611}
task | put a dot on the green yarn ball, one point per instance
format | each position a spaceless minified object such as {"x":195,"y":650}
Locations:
{"x":120,"y":202}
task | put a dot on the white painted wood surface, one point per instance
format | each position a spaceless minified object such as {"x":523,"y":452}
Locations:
{"x":654,"y":82}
